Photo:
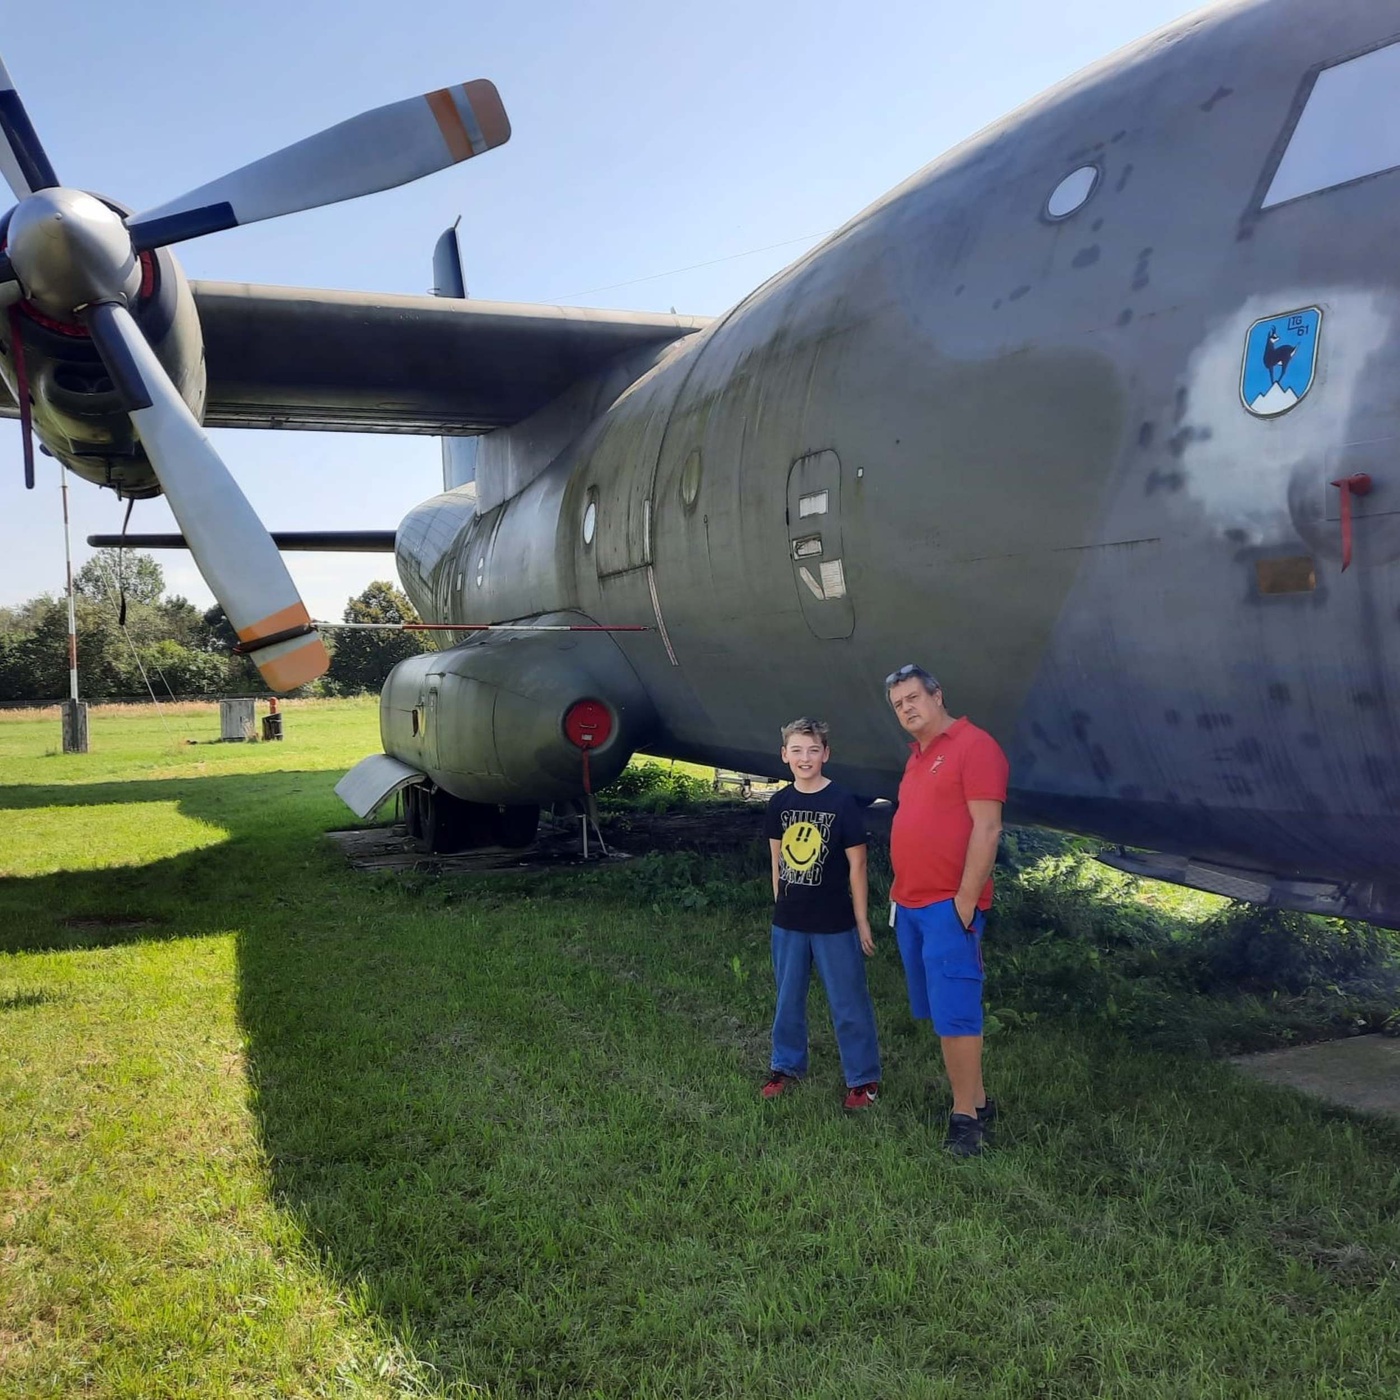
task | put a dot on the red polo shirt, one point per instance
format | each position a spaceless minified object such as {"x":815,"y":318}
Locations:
{"x":928,"y":842}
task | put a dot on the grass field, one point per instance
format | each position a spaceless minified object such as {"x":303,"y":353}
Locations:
{"x":269,"y":1127}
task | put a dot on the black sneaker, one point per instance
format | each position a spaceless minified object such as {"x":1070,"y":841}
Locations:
{"x":987,"y":1114}
{"x":965,"y":1134}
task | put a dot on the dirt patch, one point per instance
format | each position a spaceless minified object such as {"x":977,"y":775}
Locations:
{"x":710,"y":828}
{"x":392,"y":848}
{"x":1343,"y":1262}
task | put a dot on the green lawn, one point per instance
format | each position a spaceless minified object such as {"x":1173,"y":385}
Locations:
{"x":269,"y":1127}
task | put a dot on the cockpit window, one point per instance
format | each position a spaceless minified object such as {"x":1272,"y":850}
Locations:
{"x":1347,"y":129}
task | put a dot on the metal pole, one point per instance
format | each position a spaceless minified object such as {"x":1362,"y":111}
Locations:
{"x":75,"y":717}
{"x":68,"y":562}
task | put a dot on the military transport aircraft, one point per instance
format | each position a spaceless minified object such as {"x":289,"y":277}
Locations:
{"x":1097,"y":417}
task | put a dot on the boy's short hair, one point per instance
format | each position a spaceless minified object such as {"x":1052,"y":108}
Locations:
{"x":816,"y":728}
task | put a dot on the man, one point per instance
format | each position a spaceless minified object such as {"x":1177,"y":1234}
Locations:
{"x":943,"y":845}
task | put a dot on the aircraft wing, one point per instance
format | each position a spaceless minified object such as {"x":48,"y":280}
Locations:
{"x":374,"y":362}
{"x":291,"y":357}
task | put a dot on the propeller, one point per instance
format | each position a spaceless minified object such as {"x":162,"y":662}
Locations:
{"x":374,"y":151}
{"x":71,"y":256}
{"x":22,"y":160}
{"x":235,"y":553}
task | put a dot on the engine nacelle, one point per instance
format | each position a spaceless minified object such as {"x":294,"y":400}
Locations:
{"x":489,"y":720}
{"x":78,"y":414}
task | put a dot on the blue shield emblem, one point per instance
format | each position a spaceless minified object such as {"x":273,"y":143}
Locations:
{"x":1280,"y":358}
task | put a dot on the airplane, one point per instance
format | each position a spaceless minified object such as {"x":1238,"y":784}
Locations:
{"x":1025,"y":421}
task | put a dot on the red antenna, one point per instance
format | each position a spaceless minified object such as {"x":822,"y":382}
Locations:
{"x":1349,"y":486}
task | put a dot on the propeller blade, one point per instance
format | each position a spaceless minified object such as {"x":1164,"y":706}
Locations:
{"x":374,"y":151}
{"x":234,"y":552}
{"x":22,"y":160}
{"x":10,"y":289}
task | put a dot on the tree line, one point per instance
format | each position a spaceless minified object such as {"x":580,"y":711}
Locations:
{"x":134,"y":639}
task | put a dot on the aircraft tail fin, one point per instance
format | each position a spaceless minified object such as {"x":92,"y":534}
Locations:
{"x":458,"y":453}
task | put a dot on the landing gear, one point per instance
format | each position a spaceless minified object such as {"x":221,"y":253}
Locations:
{"x":413,"y":810}
{"x":442,"y":824}
{"x":440,"y":821}
{"x":518,"y":826}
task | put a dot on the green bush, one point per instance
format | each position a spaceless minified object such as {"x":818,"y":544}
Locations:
{"x":1071,"y":939}
{"x":177,"y":670}
{"x":650,"y":787}
{"x":1261,"y":950}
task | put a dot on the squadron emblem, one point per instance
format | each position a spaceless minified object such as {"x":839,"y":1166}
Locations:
{"x":1280,"y":356}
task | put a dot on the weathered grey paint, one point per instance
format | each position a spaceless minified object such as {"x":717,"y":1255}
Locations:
{"x":506,"y":694}
{"x":1049,"y":489}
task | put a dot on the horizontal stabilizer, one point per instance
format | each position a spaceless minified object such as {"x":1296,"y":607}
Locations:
{"x":319,"y":541}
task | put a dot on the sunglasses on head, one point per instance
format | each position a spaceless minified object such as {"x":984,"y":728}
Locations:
{"x":905,"y":673}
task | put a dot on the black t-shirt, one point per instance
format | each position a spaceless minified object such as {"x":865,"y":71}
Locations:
{"x":814,"y":830}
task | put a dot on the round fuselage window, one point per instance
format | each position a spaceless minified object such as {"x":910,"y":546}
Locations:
{"x":1072,"y":193}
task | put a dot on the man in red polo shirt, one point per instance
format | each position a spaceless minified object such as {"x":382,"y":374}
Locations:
{"x":943,"y":845}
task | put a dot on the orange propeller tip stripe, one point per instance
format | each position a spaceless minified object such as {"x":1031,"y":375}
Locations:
{"x":283,"y":620}
{"x":470,"y":118}
{"x":490,"y":110}
{"x":296,"y":667}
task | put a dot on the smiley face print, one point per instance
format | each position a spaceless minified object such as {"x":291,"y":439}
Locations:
{"x":804,"y":846}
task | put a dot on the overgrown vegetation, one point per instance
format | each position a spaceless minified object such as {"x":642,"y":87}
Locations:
{"x":1079,"y":942}
{"x":1074,"y":942}
{"x":652,"y":786}
{"x":271,"y":1127}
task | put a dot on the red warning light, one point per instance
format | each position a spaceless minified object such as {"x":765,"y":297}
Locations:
{"x":588,"y":724}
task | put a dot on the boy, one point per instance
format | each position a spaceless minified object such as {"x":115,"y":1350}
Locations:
{"x":817,"y":837}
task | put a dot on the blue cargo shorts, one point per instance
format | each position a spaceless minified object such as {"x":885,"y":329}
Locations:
{"x":942,"y":966}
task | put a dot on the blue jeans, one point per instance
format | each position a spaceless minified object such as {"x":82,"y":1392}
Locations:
{"x":841,"y":965}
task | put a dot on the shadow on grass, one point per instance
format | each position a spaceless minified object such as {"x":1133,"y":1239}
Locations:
{"x":271,"y":821}
{"x":522,"y":1127}
{"x":526,"y":1126}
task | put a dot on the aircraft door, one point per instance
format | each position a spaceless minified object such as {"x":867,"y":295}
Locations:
{"x":814,"y":545}
{"x":432,"y":712}
{"x":624,"y":470}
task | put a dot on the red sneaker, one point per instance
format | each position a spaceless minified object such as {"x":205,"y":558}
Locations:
{"x":776,"y":1083}
{"x":862,"y":1096}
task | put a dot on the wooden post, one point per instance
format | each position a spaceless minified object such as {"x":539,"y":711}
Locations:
{"x":75,"y":726}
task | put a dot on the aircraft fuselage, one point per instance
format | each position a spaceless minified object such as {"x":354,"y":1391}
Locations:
{"x":1022,"y":447}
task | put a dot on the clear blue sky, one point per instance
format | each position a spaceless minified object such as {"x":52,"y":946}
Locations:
{"x":646,"y":138}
